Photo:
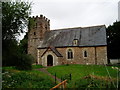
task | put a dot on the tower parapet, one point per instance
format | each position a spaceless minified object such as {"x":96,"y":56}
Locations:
{"x":41,"y":20}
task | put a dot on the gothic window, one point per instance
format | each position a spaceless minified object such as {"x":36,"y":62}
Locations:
{"x":70,"y":54}
{"x":85,"y":53}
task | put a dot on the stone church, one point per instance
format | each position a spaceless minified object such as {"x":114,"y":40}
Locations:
{"x":79,"y":45}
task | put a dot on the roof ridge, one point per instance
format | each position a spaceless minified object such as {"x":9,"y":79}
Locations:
{"x":78,"y":27}
{"x":66,"y":28}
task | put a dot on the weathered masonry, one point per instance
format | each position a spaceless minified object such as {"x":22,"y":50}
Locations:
{"x":80,"y":45}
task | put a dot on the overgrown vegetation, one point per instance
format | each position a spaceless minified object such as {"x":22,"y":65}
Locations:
{"x":78,"y":73}
{"x":31,"y":23}
{"x":15,"y":15}
{"x":94,"y":82}
{"x":12,"y":78}
{"x":24,"y":62}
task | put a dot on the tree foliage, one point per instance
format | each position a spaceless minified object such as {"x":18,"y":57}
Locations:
{"x":15,"y":17}
{"x":113,"y":40}
{"x":24,"y":62}
{"x":24,"y":44}
{"x":9,"y":52}
{"x":31,"y":23}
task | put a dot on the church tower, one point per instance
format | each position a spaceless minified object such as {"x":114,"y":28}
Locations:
{"x":37,"y":28}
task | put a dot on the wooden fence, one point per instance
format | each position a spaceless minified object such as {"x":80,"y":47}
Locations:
{"x":60,"y":85}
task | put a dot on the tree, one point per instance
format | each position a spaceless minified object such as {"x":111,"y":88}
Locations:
{"x":23,"y":45}
{"x":15,"y":17}
{"x":113,"y":40}
{"x":9,"y":52}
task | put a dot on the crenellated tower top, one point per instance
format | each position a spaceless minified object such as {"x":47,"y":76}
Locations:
{"x":39,"y":25}
{"x":40,"y":22}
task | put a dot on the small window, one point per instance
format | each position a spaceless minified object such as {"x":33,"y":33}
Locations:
{"x":46,"y":27}
{"x":85,"y":53}
{"x":34,"y":33}
{"x":75,"y":42}
{"x":36,"y":25}
{"x":70,"y":54}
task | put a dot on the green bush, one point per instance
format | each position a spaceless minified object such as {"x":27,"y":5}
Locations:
{"x":24,"y":62}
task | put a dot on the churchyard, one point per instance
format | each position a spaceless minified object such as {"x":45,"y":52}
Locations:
{"x":82,"y":76}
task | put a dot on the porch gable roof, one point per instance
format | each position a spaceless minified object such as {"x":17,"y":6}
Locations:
{"x":54,"y":50}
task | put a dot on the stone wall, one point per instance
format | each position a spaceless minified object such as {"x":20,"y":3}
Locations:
{"x":101,"y":55}
{"x":95,"y":55}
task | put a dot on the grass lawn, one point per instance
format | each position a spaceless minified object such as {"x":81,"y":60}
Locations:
{"x":80,"y":71}
{"x":37,"y":66}
{"x":13,"y":78}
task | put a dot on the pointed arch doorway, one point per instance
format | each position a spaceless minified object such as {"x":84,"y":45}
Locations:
{"x":49,"y":60}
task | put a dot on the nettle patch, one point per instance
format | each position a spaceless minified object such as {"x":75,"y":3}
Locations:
{"x":7,"y":80}
{"x":25,"y":79}
{"x":92,"y":81}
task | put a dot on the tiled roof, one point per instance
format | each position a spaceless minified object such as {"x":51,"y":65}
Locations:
{"x":87,"y":36}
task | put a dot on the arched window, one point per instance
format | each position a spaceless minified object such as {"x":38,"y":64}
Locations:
{"x":70,"y":54}
{"x":85,"y":53}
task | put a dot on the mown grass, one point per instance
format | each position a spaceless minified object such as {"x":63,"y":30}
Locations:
{"x":13,"y":78}
{"x":37,"y":66}
{"x":80,"y":71}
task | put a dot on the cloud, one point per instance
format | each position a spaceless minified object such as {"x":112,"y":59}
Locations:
{"x":74,"y":13}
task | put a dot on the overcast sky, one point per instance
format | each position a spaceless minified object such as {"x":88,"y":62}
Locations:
{"x":76,"y":13}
